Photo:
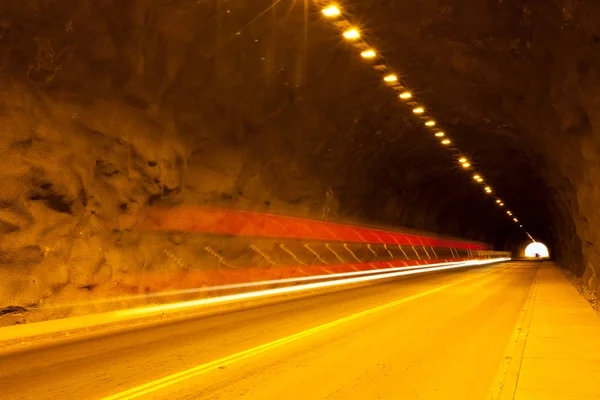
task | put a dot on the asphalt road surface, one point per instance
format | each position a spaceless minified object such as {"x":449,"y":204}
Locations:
{"x":433,"y":336}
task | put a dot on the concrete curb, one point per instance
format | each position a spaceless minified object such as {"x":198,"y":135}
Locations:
{"x":505,"y":383}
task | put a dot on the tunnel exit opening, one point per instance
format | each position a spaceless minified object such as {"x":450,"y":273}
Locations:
{"x":536,"y":250}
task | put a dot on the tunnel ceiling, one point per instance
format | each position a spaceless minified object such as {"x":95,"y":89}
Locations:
{"x":109,"y":106}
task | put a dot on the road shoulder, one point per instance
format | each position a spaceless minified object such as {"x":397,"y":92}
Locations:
{"x":556,"y":348}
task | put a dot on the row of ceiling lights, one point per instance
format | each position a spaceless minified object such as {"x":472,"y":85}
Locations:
{"x":352,"y":34}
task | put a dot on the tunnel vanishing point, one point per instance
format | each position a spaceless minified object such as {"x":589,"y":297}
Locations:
{"x":109,"y":107}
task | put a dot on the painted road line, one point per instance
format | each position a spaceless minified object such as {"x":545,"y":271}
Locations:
{"x":201,"y":369}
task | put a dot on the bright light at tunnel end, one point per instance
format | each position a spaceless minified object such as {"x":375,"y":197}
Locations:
{"x":537,"y":249}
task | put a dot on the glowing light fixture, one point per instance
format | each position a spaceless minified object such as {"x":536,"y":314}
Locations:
{"x":368,"y":54}
{"x":331,"y":11}
{"x":351,"y":34}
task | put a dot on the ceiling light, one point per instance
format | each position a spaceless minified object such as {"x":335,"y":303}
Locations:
{"x":439,"y":134}
{"x":509,"y":213}
{"x":391,"y":78}
{"x":446,"y":141}
{"x":488,"y":189}
{"x":466,"y":165}
{"x":476,"y":177}
{"x":331,"y":11}
{"x":368,"y":54}
{"x":516,"y":220}
{"x":462,"y":160}
{"x":430,"y":123}
{"x":498,"y":201}
{"x":351,"y":34}
{"x":405,"y":95}
{"x":419,"y":110}
{"x":501,"y":204}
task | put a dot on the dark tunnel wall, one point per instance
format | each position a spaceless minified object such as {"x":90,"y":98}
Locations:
{"x":110,"y":106}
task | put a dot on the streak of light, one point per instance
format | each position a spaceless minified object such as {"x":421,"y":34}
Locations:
{"x":307,"y":247}
{"x":282,"y":246}
{"x":292,"y":289}
{"x":351,"y":252}
{"x":256,"y":284}
{"x":388,"y":250}
{"x":340,"y":259}
{"x":200,"y":369}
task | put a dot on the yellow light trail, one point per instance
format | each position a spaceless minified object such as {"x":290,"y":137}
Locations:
{"x":201,"y":369}
{"x":383,"y":274}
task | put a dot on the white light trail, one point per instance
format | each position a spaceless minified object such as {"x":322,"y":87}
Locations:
{"x":294,"y":289}
{"x":249,"y":285}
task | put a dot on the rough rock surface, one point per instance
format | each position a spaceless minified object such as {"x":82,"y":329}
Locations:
{"x":108,"y":106}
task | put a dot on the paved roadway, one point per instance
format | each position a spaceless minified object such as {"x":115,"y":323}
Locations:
{"x":448,"y":343}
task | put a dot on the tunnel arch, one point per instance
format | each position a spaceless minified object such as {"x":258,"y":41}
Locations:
{"x":536,"y":248}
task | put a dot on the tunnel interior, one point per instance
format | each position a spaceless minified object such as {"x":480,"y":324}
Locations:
{"x":107,"y":107}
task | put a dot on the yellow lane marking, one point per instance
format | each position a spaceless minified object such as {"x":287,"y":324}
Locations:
{"x":200,"y":369}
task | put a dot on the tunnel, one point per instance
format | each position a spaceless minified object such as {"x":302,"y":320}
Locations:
{"x":108,"y":107}
{"x":155,"y":148}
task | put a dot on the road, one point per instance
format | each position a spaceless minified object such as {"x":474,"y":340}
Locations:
{"x":434,"y":336}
